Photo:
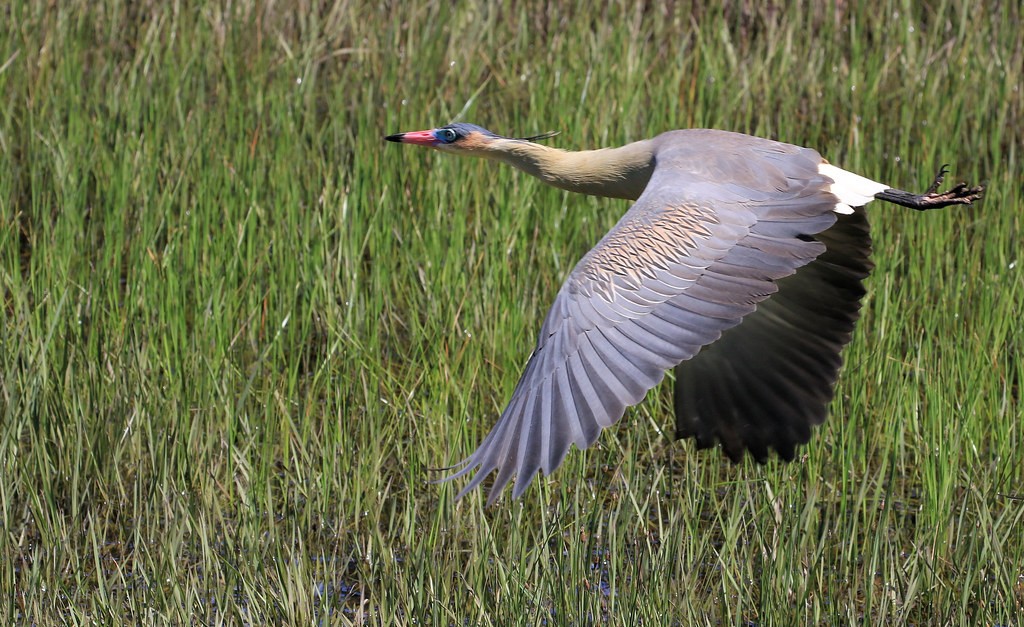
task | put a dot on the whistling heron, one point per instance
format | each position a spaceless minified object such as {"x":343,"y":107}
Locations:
{"x":740,"y":264}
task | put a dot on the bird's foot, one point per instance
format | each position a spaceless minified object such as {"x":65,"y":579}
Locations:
{"x":960,"y":194}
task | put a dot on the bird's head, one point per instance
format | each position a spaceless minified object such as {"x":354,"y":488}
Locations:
{"x":461,"y":137}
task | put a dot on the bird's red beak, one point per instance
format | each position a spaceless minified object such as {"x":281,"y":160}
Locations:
{"x":420,"y":138}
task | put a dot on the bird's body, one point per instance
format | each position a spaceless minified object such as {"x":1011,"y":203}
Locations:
{"x":740,"y":265}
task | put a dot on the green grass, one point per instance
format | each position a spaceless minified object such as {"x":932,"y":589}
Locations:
{"x":239,"y":330}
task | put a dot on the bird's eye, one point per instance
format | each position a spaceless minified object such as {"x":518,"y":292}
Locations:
{"x":447,"y":135}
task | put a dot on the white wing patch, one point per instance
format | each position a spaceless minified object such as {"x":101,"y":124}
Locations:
{"x":853,"y":190}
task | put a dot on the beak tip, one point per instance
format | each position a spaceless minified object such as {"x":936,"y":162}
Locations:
{"x":416,"y":138}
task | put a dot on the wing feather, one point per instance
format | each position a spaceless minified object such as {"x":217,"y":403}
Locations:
{"x":786,"y":387}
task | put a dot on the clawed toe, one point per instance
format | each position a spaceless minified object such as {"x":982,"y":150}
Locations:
{"x":934,"y":187}
{"x":961,"y":194}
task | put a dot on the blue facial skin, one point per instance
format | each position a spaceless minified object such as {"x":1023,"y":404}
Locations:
{"x":446,"y":135}
{"x":455,"y":132}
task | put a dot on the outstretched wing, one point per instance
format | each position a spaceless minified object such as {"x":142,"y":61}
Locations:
{"x":694,"y":255}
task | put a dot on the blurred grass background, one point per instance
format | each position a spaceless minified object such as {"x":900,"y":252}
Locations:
{"x":239,"y":330}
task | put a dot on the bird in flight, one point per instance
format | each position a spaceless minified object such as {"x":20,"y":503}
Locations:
{"x":740,"y":265}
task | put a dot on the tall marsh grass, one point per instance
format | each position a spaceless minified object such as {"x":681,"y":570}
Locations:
{"x":239,"y":330}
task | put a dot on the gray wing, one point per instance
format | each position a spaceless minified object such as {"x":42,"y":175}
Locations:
{"x":766,"y":382}
{"x":690,"y":259}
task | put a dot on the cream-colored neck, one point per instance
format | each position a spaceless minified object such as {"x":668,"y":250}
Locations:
{"x":612,"y":172}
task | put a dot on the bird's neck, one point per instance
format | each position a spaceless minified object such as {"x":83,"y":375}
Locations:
{"x":613,"y":172}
